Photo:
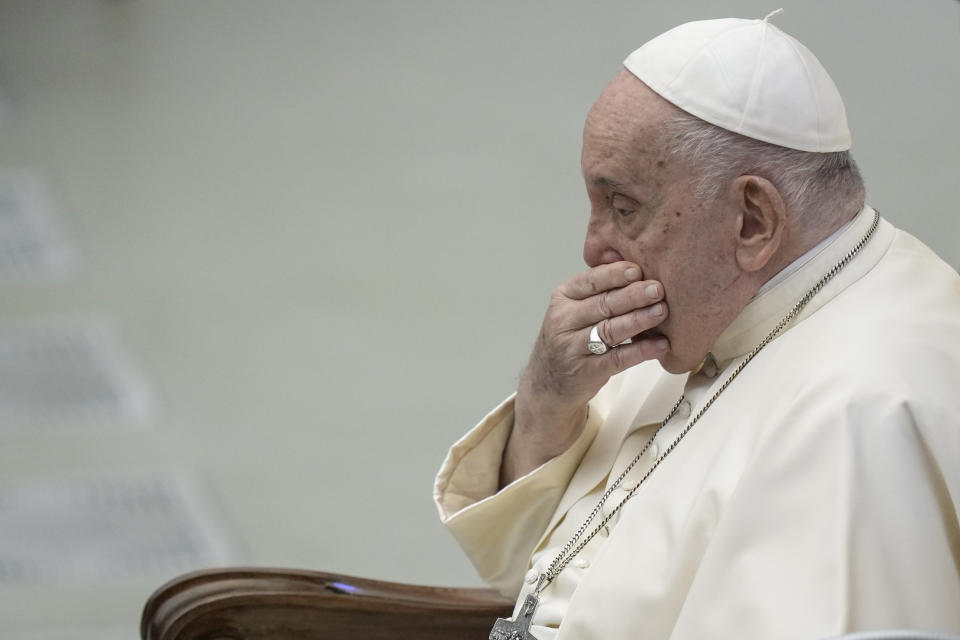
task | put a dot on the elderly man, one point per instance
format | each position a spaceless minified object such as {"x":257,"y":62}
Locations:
{"x":743,"y":420}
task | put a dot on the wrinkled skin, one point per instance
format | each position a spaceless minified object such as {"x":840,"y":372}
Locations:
{"x":664,"y":269}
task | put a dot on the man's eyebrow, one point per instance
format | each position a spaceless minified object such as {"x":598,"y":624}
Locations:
{"x":603,"y":181}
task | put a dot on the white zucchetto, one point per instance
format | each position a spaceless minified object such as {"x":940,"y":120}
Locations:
{"x":749,"y":77}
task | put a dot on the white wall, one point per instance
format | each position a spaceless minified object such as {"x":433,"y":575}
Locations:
{"x":326,"y":231}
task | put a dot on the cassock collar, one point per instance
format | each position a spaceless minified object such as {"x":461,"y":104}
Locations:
{"x":782,"y":292}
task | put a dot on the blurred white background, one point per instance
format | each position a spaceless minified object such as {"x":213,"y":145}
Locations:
{"x":323,"y":234}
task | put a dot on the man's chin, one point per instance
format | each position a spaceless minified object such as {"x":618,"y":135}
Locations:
{"x":672,"y":364}
{"x":676,"y":363}
{"x":668,"y":360}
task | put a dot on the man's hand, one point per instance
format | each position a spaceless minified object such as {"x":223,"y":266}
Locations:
{"x":562,"y":375}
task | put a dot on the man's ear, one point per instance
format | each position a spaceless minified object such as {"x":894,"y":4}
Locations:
{"x":761,"y":219}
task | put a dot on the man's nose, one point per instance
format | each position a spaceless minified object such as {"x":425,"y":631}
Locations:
{"x":597,"y":248}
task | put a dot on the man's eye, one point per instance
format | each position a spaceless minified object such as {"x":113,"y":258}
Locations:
{"x":622,"y":205}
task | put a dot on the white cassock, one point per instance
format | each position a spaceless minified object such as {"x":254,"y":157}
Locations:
{"x":818,"y":495}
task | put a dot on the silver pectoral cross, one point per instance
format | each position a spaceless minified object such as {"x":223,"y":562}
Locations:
{"x":518,"y":629}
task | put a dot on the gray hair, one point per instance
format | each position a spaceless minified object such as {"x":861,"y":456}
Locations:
{"x":810,"y":183}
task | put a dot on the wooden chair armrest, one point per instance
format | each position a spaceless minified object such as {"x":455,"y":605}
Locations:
{"x":281,"y":604}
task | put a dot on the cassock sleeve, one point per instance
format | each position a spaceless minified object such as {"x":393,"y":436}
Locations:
{"x":498,"y":530}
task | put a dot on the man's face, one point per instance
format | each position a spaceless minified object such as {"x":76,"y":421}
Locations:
{"x":642,"y":210}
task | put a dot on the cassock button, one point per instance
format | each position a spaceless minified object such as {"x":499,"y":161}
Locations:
{"x":683,"y":411}
{"x":531,"y":576}
{"x":709,"y":368}
{"x":581,"y":563}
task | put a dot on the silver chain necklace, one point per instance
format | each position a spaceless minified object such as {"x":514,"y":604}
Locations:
{"x":519,"y":629}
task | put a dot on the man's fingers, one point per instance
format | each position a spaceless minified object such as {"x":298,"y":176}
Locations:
{"x":617,"y":302}
{"x":615,"y":330}
{"x":628,"y":355}
{"x":600,"y":279}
